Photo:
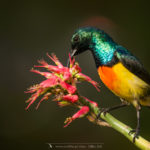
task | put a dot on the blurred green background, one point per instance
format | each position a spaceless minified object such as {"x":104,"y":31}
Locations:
{"x":29,"y":30}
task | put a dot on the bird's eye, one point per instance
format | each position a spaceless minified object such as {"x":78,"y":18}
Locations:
{"x":76,"y":38}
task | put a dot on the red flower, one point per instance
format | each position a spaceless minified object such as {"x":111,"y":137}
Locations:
{"x":60,"y":82}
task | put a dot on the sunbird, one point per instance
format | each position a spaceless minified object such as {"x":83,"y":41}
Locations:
{"x":117,"y":67}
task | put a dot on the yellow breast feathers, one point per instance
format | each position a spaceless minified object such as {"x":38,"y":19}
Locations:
{"x":122,"y":82}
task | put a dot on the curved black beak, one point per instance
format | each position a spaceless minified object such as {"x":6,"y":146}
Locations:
{"x":73,"y":53}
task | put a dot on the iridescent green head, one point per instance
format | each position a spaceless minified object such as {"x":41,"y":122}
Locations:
{"x":95,"y":40}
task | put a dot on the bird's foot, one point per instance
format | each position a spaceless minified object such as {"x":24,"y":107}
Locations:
{"x":136,"y":134}
{"x":105,"y":110}
{"x":102,"y":110}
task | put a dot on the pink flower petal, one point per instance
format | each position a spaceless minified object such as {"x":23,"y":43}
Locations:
{"x":45,"y":74}
{"x":82,"y":112}
{"x":70,"y":88}
{"x":34,"y":97}
{"x":42,"y":62}
{"x":72,"y":61}
{"x":52,"y":81}
{"x":55,"y":69}
{"x":33,"y":89}
{"x":63,"y":103}
{"x":68,"y":121}
{"x":67,"y":76}
{"x":45,"y":97}
{"x":86,"y":78}
{"x":92,"y":102}
{"x":55,"y":60}
{"x":77,"y":68}
{"x":71,"y":98}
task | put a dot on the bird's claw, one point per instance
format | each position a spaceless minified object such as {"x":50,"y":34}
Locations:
{"x":102,"y":110}
{"x":136,"y":134}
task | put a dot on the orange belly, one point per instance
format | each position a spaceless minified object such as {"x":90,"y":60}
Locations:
{"x":108,"y":76}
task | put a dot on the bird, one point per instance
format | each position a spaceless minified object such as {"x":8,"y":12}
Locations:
{"x":121,"y":71}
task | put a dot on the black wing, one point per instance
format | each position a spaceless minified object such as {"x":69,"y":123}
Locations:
{"x":132,"y":63}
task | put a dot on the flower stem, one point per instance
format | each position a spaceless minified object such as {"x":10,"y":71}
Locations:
{"x":140,"y":142}
{"x":124,"y":129}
